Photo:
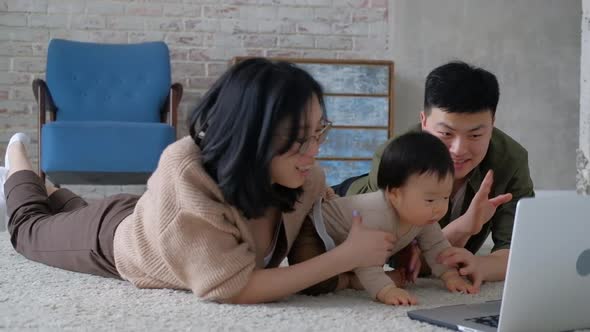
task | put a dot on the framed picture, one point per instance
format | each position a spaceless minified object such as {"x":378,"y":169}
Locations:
{"x":359,"y":101}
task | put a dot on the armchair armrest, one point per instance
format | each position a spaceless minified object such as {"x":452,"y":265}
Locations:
{"x":43,"y":98}
{"x":170,"y":111}
{"x":45,"y":103}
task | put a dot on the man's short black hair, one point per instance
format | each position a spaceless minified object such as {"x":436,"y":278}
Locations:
{"x":458,"y":87}
{"x":414,"y":153}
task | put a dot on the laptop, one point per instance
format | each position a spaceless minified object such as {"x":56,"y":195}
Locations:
{"x":547,"y":285}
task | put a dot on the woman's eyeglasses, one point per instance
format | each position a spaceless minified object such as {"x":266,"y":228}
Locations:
{"x":318,"y":138}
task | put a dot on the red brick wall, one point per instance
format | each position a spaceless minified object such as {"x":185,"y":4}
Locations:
{"x":202,"y":35}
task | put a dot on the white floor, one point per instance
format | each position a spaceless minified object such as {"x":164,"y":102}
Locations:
{"x":37,"y":297}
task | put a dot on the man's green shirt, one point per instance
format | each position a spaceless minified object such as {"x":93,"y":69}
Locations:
{"x":509,"y":161}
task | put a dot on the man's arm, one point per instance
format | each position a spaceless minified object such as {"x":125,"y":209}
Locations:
{"x":491,"y":267}
{"x":499,"y":211}
{"x":494,"y":265}
{"x":458,"y":232}
{"x":481,"y":210}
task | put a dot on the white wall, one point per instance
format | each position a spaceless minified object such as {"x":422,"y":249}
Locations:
{"x":533,"y":47}
{"x":584,"y":151}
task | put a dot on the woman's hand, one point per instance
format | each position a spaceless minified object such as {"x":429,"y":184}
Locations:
{"x":367,"y":247}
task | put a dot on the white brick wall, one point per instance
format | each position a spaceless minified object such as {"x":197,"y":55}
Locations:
{"x":583,"y":164}
{"x":203,"y":36}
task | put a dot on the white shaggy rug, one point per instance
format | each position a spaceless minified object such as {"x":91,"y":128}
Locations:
{"x":37,"y":297}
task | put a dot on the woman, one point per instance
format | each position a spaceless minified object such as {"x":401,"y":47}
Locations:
{"x":221,"y":210}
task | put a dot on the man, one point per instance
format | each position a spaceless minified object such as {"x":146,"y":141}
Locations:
{"x":491,"y":171}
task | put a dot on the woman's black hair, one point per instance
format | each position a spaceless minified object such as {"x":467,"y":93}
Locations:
{"x":236,"y":125}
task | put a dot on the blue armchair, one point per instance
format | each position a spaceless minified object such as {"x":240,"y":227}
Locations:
{"x":112,"y":109}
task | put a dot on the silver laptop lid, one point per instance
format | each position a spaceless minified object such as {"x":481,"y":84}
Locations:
{"x":548,"y":280}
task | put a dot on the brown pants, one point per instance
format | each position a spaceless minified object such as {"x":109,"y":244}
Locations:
{"x":63,"y":230}
{"x":308,"y":245}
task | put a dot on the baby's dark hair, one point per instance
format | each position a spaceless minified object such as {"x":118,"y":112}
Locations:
{"x":414,"y":153}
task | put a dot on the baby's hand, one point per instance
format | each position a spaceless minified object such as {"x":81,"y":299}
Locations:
{"x":455,"y":283}
{"x":393,"y":295}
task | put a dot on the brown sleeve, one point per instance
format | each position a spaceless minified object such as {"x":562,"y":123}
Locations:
{"x":308,"y":244}
{"x":206,"y":256}
{"x":201,"y":247}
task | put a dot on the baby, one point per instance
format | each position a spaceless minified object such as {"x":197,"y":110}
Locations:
{"x":415,"y":179}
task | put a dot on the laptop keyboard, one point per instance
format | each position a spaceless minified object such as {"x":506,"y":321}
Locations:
{"x":486,"y":320}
